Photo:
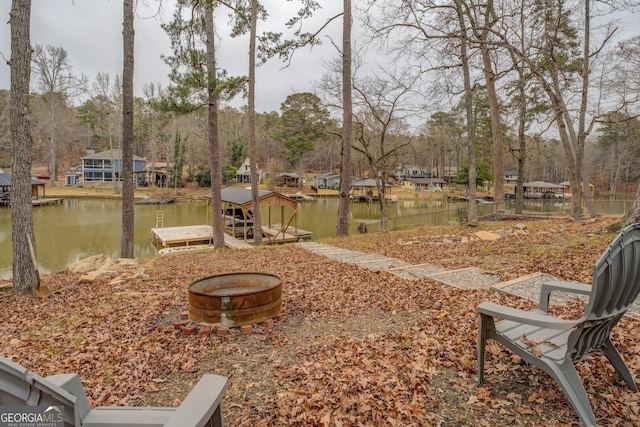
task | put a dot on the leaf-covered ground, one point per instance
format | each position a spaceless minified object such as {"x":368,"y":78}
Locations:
{"x":356,"y":348}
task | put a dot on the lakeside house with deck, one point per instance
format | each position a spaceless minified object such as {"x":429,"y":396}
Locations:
{"x":106,"y":167}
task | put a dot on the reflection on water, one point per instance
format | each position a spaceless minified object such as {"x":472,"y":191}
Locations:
{"x":79,"y":228}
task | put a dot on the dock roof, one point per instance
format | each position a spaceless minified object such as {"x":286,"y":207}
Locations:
{"x":242,"y":196}
{"x":5,"y":180}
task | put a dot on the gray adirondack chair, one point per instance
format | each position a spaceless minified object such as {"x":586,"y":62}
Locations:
{"x":19,"y":386}
{"x":555,"y":345}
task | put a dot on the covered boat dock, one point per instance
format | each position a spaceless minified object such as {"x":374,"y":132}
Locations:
{"x":238,"y":222}
{"x":36,"y":186}
{"x":238,"y":215}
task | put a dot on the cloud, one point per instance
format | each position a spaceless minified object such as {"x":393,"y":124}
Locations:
{"x":91,"y":33}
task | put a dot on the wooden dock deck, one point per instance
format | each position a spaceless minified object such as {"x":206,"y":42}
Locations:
{"x":42,"y":202}
{"x":291,"y":230}
{"x":36,"y":202}
{"x":193,"y":235}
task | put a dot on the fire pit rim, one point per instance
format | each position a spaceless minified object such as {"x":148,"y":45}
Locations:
{"x":235,"y":273}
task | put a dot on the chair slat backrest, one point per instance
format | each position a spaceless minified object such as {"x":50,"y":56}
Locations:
{"x":53,"y":395}
{"x":19,"y":386}
{"x":15,"y":383}
{"x":616,"y":276}
{"x":616,"y":284}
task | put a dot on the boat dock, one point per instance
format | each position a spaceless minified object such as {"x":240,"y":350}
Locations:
{"x":43,"y":202}
{"x":192,"y":235}
{"x":36,"y":202}
{"x":199,"y":235}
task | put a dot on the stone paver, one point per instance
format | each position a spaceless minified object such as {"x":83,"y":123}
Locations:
{"x":382,"y":264}
{"x":528,"y":286}
{"x":415,"y":272}
{"x":467,"y":278}
{"x":471,"y":278}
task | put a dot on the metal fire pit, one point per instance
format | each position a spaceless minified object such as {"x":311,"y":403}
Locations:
{"x":234,"y":299}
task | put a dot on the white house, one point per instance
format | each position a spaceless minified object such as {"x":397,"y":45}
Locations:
{"x":326,"y":180}
{"x":243,"y":174}
{"x":411,"y":171}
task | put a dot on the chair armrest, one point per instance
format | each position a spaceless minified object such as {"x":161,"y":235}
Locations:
{"x":72,"y":384}
{"x":558,"y":285}
{"x":201,"y":404}
{"x":534,"y":318}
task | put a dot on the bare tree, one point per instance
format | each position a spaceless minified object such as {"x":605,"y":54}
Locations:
{"x":51,"y":64}
{"x":126,"y":243}
{"x":342,"y":227}
{"x":487,"y":14}
{"x":382,"y":106}
{"x":25,"y":275}
{"x":472,"y":218}
{"x":564,"y":76}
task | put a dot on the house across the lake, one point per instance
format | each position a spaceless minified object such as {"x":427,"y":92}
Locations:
{"x":411,"y":171}
{"x":287,"y":180}
{"x":106,"y":167}
{"x":424,"y":184}
{"x":326,"y":180}
{"x":243,"y":174}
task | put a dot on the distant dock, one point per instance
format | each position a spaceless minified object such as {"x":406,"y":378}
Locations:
{"x":43,"y":202}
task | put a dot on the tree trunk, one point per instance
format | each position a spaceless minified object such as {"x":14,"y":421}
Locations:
{"x":472,"y":218}
{"x":384,"y":213}
{"x":522,"y":141}
{"x":53,"y":168}
{"x":251,"y":119}
{"x":126,"y":248}
{"x":633,"y":216}
{"x":25,"y":277}
{"x":494,"y":112}
{"x":572,"y":151}
{"x":342,"y":227}
{"x":214,"y":137}
{"x":582,"y":131}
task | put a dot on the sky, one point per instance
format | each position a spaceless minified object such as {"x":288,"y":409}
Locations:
{"x":91,"y":33}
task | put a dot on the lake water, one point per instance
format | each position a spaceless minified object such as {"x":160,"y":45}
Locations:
{"x":79,"y":228}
